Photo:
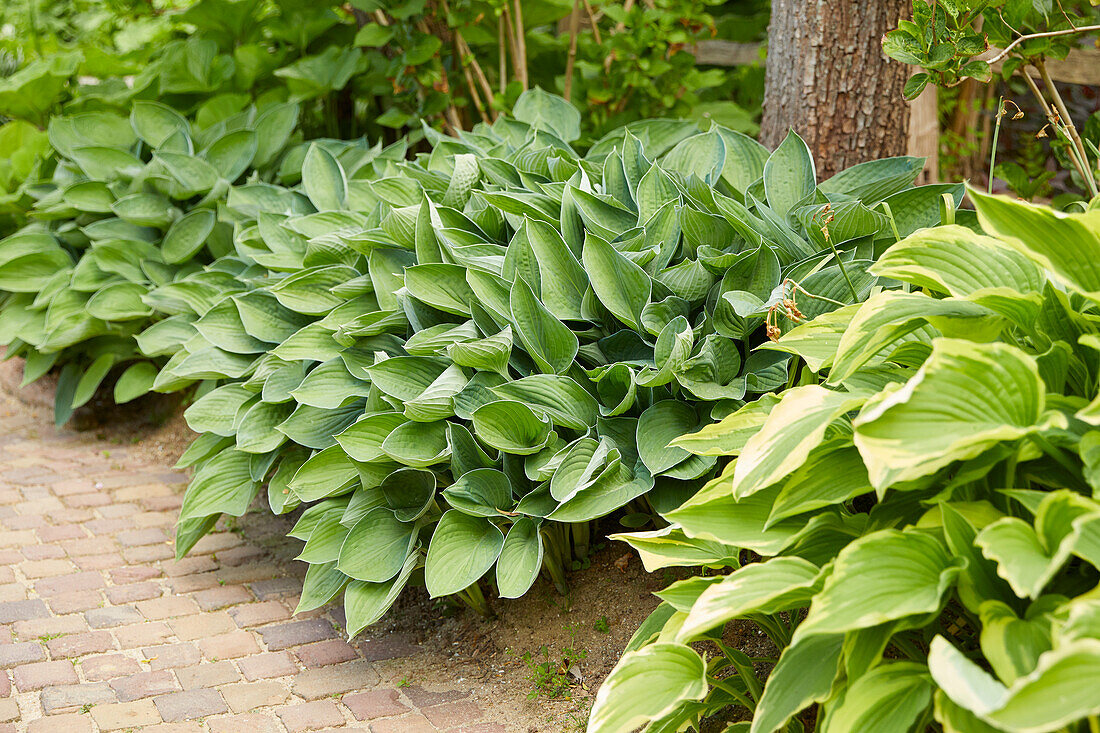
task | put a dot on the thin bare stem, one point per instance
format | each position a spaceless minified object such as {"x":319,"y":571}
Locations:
{"x":1052,"y":117}
{"x":571,"y":60}
{"x":592,"y":20}
{"x":996,"y":137}
{"x":1090,"y":180}
{"x":381,"y":18}
{"x":501,"y":43}
{"x":521,"y":43}
{"x":1046,"y":34}
{"x":513,"y":47}
{"x":469,"y":62}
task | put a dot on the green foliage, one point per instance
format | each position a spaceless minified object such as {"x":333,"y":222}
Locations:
{"x":129,"y":210}
{"x":923,"y":505}
{"x":366,"y":67}
{"x":455,"y":362}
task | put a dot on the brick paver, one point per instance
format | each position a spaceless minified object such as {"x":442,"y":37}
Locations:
{"x":102,"y":630}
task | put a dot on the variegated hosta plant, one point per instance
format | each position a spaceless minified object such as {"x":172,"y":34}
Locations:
{"x":131,"y":207}
{"x":924,"y":508}
{"x":458,"y":362}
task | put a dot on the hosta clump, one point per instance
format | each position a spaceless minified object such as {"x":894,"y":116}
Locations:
{"x":924,"y":504}
{"x":459,"y":362}
{"x":130,"y":208}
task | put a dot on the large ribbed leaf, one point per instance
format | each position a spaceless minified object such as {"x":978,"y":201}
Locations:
{"x":965,"y":399}
{"x":881,"y":577}
{"x":1067,"y":245}
{"x":645,"y":685}
{"x":463,"y":548}
{"x":549,"y":341}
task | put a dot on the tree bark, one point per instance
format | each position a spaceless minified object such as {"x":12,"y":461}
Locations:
{"x":828,"y":79}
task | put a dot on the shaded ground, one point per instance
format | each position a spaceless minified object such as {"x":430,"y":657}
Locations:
{"x":100,"y":629}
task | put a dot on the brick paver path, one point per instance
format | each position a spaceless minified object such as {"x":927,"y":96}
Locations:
{"x":101,"y":630}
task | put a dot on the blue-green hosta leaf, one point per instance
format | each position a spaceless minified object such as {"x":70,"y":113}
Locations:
{"x":119,"y":302}
{"x":966,"y":398}
{"x":257,"y":433}
{"x":377,"y":547}
{"x":417,"y":444}
{"x":658,"y":426}
{"x":549,"y":342}
{"x":223,"y":485}
{"x":887,"y":699}
{"x":155,"y":122}
{"x":409,"y":492}
{"x":106,"y":164}
{"x":612,"y":489}
{"x":222,"y":326}
{"x":563,"y":280}
{"x":670,"y":547}
{"x":187,"y":235}
{"x":520,"y":558}
{"x":135,"y":381}
{"x":882,"y":577}
{"x":441,"y":286}
{"x":144,"y":209}
{"x":362,"y":440}
{"x":647,"y":684}
{"x":789,"y":175}
{"x":463,"y":548}
{"x":91,"y":379}
{"x":214,"y":412}
{"x":232,"y":153}
{"x":322,"y":583}
{"x":323,"y":544}
{"x":512,"y":427}
{"x":565,"y":401}
{"x":1065,"y":244}
{"x":792,"y":430}
{"x":481,"y":492}
{"x":406,"y":377}
{"x":622,"y":286}
{"x":579,"y":465}
{"x":327,"y":473}
{"x":323,"y":179}
{"x":309,"y":291}
{"x":745,"y":159}
{"x":265,"y":318}
{"x":488,"y":354}
{"x":314,"y":427}
{"x":874,"y":180}
{"x":310,"y":343}
{"x":365,"y":603}
{"x":330,"y":385}
{"x":702,"y":155}
{"x":544,"y":111}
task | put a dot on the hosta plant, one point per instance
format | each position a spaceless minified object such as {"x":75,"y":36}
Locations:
{"x":459,"y":362}
{"x":131,"y":206}
{"x":918,"y":518}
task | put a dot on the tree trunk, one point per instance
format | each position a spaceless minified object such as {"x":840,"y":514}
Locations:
{"x":828,"y":79}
